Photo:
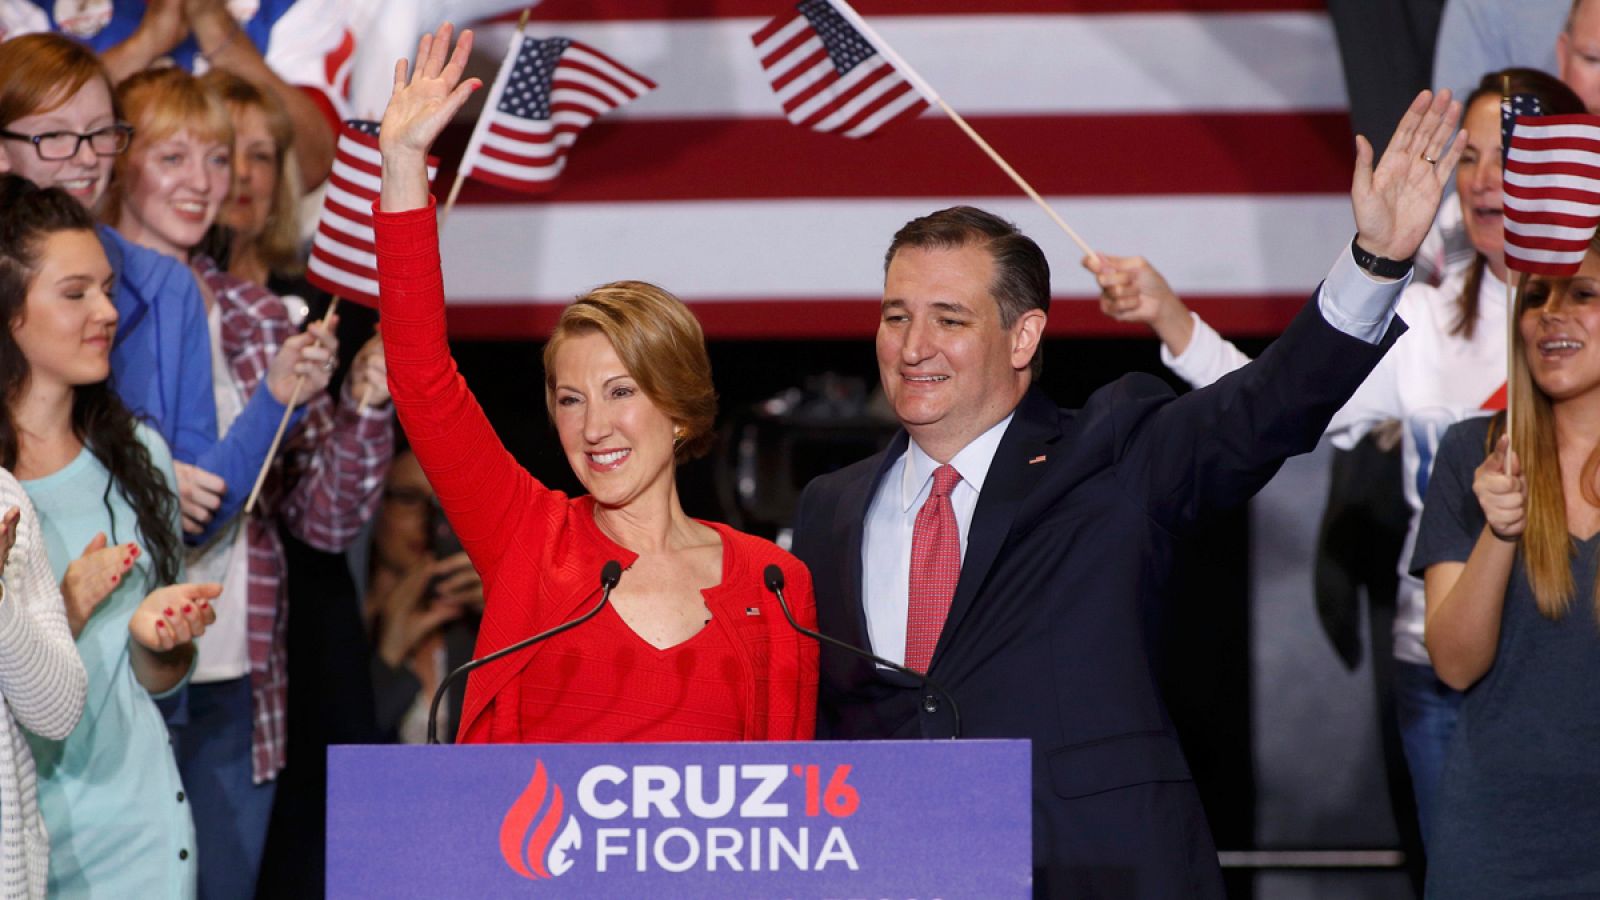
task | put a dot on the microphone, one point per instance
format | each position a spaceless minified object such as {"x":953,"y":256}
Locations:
{"x":774,"y":579}
{"x":610,"y":574}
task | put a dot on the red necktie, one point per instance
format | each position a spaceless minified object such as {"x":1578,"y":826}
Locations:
{"x":935,"y":568}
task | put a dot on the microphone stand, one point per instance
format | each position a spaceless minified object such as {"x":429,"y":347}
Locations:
{"x":610,"y":574}
{"x":774,"y":579}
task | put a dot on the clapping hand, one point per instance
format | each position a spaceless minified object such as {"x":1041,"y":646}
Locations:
{"x":1395,"y":202}
{"x":8,"y":533}
{"x":91,"y":578}
{"x":173,"y":615}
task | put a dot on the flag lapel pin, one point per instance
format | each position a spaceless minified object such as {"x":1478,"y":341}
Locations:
{"x":752,"y":610}
{"x":1036,"y":460}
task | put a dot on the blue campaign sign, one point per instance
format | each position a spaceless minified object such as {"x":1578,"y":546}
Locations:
{"x":879,"y":819}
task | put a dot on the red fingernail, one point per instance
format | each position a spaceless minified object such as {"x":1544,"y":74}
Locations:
{"x":135,"y":551}
{"x":187,"y":609}
{"x":204,"y":604}
{"x":115,"y":578}
{"x":169,"y":611}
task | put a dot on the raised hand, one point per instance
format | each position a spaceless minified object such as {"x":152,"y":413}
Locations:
{"x":1502,"y":491}
{"x":311,"y":355}
{"x":164,"y":24}
{"x":91,"y":578}
{"x":199,"y":495}
{"x":1395,"y":202}
{"x":173,"y":615}
{"x":420,"y":107}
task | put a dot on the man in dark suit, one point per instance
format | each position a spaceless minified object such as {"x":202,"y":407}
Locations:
{"x":1017,"y":552}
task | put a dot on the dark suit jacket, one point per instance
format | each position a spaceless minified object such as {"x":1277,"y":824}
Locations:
{"x":1067,"y":559}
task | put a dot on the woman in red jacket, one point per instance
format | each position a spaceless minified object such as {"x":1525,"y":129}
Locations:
{"x":692,"y":646}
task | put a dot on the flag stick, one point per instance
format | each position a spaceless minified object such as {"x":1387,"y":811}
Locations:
{"x":1511,"y":292}
{"x":932,"y":96}
{"x":272,"y":449}
{"x":455,"y":189}
{"x":450,"y":201}
{"x":1511,"y":356}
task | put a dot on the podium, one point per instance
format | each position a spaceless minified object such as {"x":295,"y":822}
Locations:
{"x":873,"y":819}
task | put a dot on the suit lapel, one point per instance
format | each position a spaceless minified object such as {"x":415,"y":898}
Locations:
{"x":1020,"y":462}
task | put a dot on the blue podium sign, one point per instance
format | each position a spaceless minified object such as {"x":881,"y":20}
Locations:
{"x":879,"y":819}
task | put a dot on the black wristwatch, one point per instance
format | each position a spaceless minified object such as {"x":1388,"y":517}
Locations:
{"x":1378,"y":265}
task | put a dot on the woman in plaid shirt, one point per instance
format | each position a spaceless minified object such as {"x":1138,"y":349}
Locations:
{"x":324,"y":483}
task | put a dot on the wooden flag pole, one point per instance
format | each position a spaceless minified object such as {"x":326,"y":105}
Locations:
{"x":1511,"y":356}
{"x":926,"y":90}
{"x":283,"y":424}
{"x":1511,"y":296}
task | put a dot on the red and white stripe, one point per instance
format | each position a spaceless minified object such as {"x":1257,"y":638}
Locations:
{"x":1552,"y":193}
{"x":815,"y":95}
{"x":1209,"y":135}
{"x":343,"y":261}
{"x":528,"y":155}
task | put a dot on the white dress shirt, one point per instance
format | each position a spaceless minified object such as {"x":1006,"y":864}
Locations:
{"x":886,"y":587}
{"x":1349,"y":300}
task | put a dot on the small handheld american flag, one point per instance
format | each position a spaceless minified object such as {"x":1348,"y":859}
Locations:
{"x":344,"y":259}
{"x":828,"y":75}
{"x":546,"y":92}
{"x":1552,"y":193}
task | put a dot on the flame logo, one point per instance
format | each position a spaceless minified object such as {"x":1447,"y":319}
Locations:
{"x":528,"y":839}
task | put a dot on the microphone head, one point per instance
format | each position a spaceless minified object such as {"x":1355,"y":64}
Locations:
{"x":773,"y":577}
{"x":610,"y":574}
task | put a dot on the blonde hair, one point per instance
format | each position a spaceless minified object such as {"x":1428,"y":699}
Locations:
{"x":278,"y":245}
{"x":661,"y":345}
{"x":1546,"y":545}
{"x":160,"y":103}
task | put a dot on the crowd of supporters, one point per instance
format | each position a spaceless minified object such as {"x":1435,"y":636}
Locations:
{"x":155,"y":531}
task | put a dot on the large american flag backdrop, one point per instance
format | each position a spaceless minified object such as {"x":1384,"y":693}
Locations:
{"x":1208,"y":135}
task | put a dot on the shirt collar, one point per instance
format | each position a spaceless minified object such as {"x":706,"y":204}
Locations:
{"x":972,"y":462}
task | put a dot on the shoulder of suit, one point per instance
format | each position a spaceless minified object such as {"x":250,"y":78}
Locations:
{"x":1134,"y":387}
{"x":838,"y":478}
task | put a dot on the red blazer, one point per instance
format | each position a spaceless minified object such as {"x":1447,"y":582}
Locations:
{"x":538,"y":551}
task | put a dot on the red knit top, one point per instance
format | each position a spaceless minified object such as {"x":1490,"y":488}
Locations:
{"x":747,"y":674}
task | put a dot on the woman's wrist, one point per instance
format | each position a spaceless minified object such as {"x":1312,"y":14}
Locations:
{"x":404,"y":181}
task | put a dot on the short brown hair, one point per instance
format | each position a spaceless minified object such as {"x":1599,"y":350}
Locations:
{"x":661,"y":345}
{"x":39,"y":72}
{"x":1021,"y":272}
{"x":159,"y":103}
{"x":279,"y":243}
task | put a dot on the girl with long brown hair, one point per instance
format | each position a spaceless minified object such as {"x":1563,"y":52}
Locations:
{"x":1508,"y":548}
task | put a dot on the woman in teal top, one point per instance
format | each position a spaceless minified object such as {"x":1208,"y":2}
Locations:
{"x":110,"y":793}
